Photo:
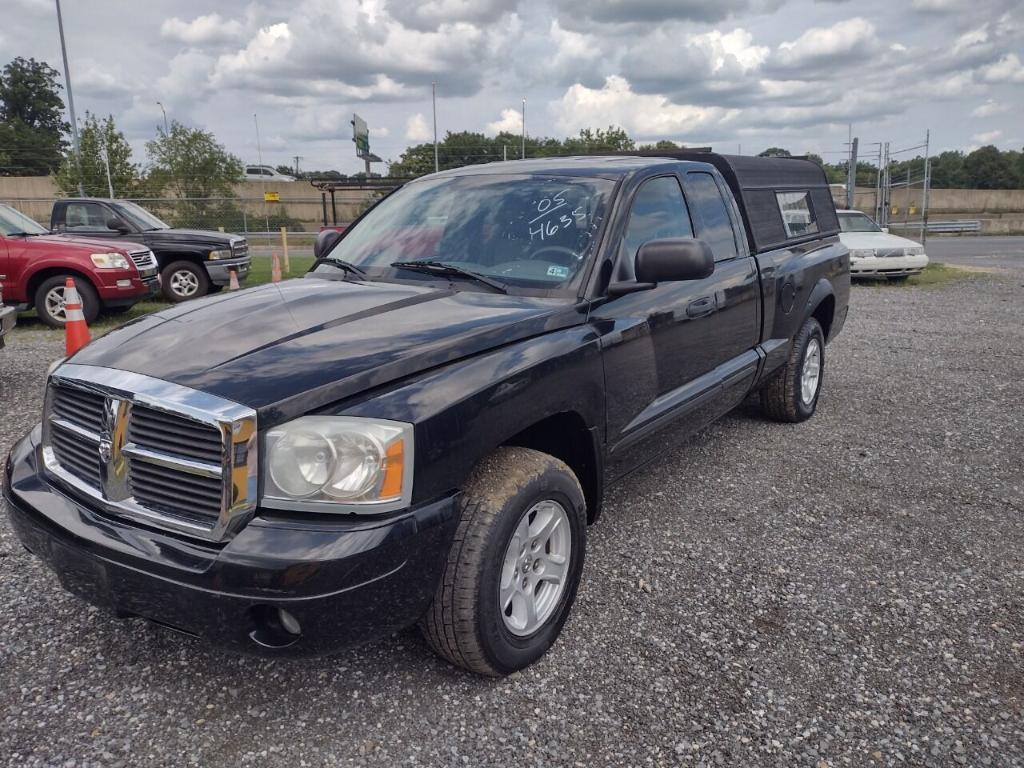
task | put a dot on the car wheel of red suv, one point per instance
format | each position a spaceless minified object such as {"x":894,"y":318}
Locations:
{"x":49,"y":300}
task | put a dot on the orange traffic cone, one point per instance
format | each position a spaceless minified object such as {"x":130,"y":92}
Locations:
{"x":76,"y":330}
{"x":275,"y":268}
{"x":233,"y":284}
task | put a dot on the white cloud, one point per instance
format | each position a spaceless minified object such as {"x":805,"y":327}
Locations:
{"x":431,"y":14}
{"x":940,"y":6}
{"x":989,"y":108}
{"x":987,"y":137}
{"x":267,"y":52}
{"x":853,"y":38}
{"x":202,"y":30}
{"x":186,"y":76}
{"x":417,"y":129}
{"x":643,"y":115}
{"x":511,"y":121}
{"x":1007,"y":70}
{"x":93,"y":79}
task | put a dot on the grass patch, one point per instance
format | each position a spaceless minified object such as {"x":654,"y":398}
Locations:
{"x":934,"y":274}
{"x":259,"y":273}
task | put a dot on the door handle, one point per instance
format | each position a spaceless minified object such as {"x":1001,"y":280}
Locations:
{"x":700,"y":307}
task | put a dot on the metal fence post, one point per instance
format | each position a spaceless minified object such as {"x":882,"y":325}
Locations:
{"x":284,"y":249}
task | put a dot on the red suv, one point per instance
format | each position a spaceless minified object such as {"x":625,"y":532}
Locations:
{"x":35,"y":264}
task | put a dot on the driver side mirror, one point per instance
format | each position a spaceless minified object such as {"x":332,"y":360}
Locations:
{"x":678,"y":258}
{"x":325,"y":241}
{"x":668,"y":260}
{"x":118,"y":225}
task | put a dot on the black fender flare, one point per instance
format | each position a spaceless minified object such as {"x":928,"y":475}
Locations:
{"x":821,"y":291}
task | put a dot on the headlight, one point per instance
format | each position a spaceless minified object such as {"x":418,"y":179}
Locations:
{"x":916,"y":250}
{"x":109,"y":260}
{"x":224,"y":253}
{"x":339,"y":464}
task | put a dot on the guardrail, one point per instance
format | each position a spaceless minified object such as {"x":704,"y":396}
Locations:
{"x":954,"y":227}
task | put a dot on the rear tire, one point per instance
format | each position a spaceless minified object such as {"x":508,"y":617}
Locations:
{"x":518,"y":505}
{"x":184,"y":280}
{"x":49,"y":300}
{"x":791,"y":395}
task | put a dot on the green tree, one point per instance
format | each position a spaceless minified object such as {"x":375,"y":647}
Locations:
{"x":32,"y":126}
{"x":611,"y":139}
{"x":190,"y":164}
{"x":662,"y":145}
{"x":97,"y":140}
{"x":775,"y":152}
{"x":469,"y":148}
{"x":988,"y":168}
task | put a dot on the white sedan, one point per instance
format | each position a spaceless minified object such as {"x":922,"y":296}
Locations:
{"x":876,"y":253}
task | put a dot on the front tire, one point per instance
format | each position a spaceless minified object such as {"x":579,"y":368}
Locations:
{"x":514,"y":566}
{"x":184,"y":280}
{"x":791,"y":395}
{"x":49,"y":300}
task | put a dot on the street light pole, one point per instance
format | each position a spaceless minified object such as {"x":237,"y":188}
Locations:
{"x":433,"y":97}
{"x":523,"y":155}
{"x":166,"y":129}
{"x":71,"y":101}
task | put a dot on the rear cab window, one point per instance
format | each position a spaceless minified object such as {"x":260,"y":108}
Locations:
{"x":797,"y":213}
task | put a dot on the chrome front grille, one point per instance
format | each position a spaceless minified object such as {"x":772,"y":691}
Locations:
{"x":144,"y":261}
{"x":150,"y":450}
{"x":884,"y":253}
{"x":239,"y":248}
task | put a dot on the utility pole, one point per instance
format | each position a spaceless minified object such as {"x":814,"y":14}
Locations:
{"x":851,"y":173}
{"x":263,"y":179}
{"x":523,"y":155}
{"x":433,"y":99}
{"x":927,"y":186}
{"x":167,"y":130}
{"x":106,"y":162}
{"x":71,"y":101}
{"x":297,"y":158}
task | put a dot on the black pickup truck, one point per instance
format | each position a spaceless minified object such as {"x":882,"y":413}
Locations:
{"x":193,"y":262}
{"x":422,"y":428}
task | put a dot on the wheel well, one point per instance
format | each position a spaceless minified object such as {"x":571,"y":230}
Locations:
{"x":37,"y":279}
{"x":566,"y":437}
{"x":824,"y":313}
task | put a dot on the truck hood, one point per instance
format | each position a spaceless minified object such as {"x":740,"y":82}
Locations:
{"x":873,"y":240}
{"x":291,"y":347}
{"x":190,"y":236}
{"x":83,"y":244}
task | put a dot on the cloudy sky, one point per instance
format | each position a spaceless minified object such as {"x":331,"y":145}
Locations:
{"x":729,"y":73}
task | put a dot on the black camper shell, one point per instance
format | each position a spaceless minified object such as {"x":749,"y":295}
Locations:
{"x":758,"y":182}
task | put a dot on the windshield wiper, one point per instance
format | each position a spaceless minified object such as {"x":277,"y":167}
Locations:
{"x":348,"y":267}
{"x":443,"y":268}
{"x":26,"y":234}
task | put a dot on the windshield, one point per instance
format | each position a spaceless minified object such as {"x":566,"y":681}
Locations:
{"x":14,"y":222}
{"x":856,"y":222}
{"x":139,"y":216}
{"x":527,"y":231}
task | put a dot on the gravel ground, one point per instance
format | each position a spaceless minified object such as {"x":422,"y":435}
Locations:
{"x":842,"y":592}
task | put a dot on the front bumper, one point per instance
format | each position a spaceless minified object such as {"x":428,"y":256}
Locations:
{"x":346,"y":582}
{"x":889,"y":266}
{"x":220,"y":271}
{"x":8,"y":318}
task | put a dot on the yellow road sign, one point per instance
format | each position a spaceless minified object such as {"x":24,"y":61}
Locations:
{"x":271,"y":197}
